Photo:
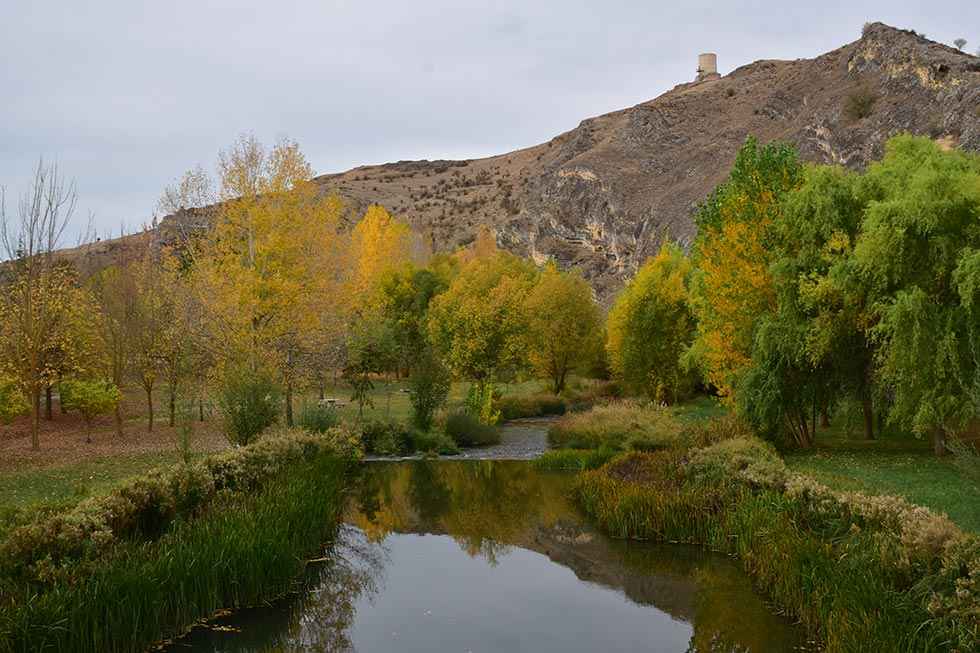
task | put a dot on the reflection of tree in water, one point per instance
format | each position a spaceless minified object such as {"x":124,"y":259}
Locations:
{"x":484,"y":505}
{"x":322,"y":619}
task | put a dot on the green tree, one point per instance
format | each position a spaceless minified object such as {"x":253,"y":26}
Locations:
{"x":650,"y":326}
{"x":89,"y":398}
{"x":406,"y":295}
{"x":479,"y":324}
{"x":919,"y":254}
{"x":249,"y":402}
{"x":12,"y":402}
{"x":429,"y":388}
{"x":564,"y":325}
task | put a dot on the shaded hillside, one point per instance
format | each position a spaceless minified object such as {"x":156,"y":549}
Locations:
{"x":602,"y":196}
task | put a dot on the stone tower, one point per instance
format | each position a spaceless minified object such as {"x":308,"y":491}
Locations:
{"x":707,"y":66}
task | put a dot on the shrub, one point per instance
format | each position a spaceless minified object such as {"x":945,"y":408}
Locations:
{"x":317,"y":418}
{"x":11,"y":401}
{"x":467,"y":431}
{"x":537,"y":405}
{"x":619,"y":426}
{"x":434,"y":442}
{"x":89,"y":398}
{"x":429,"y":387}
{"x":860,"y":103}
{"x":249,"y":404}
{"x":386,"y":438}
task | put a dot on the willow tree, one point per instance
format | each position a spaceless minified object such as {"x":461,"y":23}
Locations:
{"x":919,"y":254}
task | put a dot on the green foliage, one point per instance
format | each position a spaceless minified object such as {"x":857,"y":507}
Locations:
{"x":12,"y":401}
{"x":249,"y":403}
{"x":858,"y":572}
{"x":371,"y":350}
{"x":564,"y":325}
{"x":919,"y":255}
{"x":434,"y":442}
{"x":89,"y":398}
{"x":386,"y":438}
{"x":574,"y":460}
{"x":317,"y":418}
{"x":480,"y":402}
{"x":479,"y":324}
{"x":406,"y":295}
{"x":429,"y":388}
{"x":467,"y":431}
{"x":533,"y":405}
{"x":249,"y":549}
{"x":650,"y":326}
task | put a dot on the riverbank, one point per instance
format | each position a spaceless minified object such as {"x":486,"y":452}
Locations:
{"x":144,"y":562}
{"x":859,"y":572}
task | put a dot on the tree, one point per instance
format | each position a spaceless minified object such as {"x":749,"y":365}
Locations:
{"x":428,"y":387}
{"x":650,"y":326}
{"x":732,"y":286}
{"x":116,"y":296}
{"x":919,"y":254}
{"x":371,"y":350}
{"x":249,"y":403}
{"x":959,"y":43}
{"x":379,"y":245}
{"x":36,"y":302}
{"x":479,"y":324}
{"x":268,"y":269}
{"x":90,"y":398}
{"x":564,"y":325}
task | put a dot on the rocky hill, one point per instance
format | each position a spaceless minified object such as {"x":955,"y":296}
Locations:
{"x":603,"y":196}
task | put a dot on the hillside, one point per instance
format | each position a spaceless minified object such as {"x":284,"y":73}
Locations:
{"x":602,"y":196}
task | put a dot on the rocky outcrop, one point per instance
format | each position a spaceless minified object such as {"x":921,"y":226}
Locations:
{"x":603,"y":196}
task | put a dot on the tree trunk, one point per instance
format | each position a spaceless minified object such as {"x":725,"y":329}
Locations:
{"x":173,"y":406}
{"x":869,"y":417}
{"x":47,"y":404}
{"x":938,"y":442}
{"x":149,"y":408}
{"x":323,"y":391}
{"x":88,"y":431}
{"x":824,"y":416}
{"x":200,"y":409}
{"x":117,"y":414}
{"x":35,"y":421}
{"x":289,"y":404}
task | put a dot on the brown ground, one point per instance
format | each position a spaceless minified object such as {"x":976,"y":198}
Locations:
{"x":63,"y":438}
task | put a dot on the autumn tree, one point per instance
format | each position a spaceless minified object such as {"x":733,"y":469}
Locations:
{"x":379,"y":245}
{"x":267,"y":269}
{"x":564,"y":325}
{"x":650,"y":326}
{"x":732,"y":285}
{"x":39,"y":294}
{"x":479,"y":325}
{"x":12,"y":402}
{"x":116,"y":295}
{"x":919,"y":254}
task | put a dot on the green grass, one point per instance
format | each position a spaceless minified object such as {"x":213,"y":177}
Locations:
{"x":29,"y":491}
{"x":919,"y":477}
{"x":699,"y":409}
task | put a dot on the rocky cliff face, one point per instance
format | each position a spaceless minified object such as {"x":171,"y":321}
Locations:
{"x":603,"y":196}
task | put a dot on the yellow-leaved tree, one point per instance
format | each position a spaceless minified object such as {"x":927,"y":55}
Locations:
{"x":379,"y":245}
{"x":267,"y":270}
{"x":732,"y":286}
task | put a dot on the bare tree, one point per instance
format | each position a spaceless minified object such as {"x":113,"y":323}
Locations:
{"x":959,"y":43}
{"x":34,"y":306}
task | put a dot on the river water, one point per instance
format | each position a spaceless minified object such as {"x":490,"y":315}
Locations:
{"x":493,"y":556}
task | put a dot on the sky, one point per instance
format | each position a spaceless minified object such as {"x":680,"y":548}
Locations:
{"x":126,"y":95}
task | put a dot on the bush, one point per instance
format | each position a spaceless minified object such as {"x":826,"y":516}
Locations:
{"x":537,"y":405}
{"x":467,"y":431}
{"x":249,"y":404}
{"x":619,"y":426}
{"x":89,"y":398}
{"x":317,"y":418}
{"x":860,"y":103}
{"x":429,"y":387}
{"x":434,"y":442}
{"x":386,"y":438}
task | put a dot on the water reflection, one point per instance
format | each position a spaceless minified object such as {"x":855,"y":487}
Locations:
{"x":492,"y":556}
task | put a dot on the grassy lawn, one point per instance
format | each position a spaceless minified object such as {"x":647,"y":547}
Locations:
{"x":62,"y":486}
{"x":918,"y":476}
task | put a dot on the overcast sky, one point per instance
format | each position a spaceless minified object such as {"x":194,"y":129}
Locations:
{"x":126,"y":95}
